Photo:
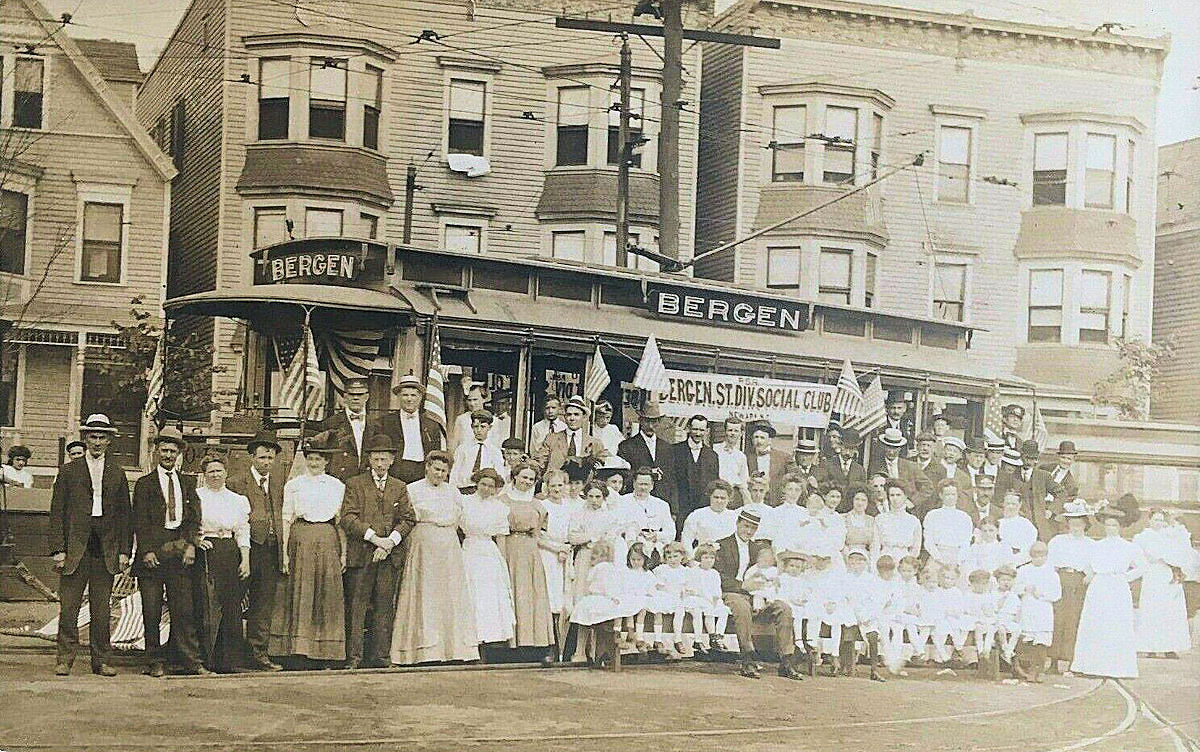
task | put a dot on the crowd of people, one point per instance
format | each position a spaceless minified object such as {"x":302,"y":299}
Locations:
{"x":386,"y":549}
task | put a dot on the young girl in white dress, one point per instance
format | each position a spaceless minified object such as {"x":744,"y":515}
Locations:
{"x":1039,"y":586}
{"x":987,"y":552}
{"x":908,"y":619}
{"x":981,"y":611}
{"x":650,"y":594}
{"x":673,"y":575}
{"x":956,"y":621}
{"x":484,"y":518}
{"x":604,"y":597}
{"x":1162,"y":623}
{"x":1106,"y":645}
{"x":928,"y":616}
{"x":702,"y":599}
{"x":828,"y":607}
{"x":1015,"y":532}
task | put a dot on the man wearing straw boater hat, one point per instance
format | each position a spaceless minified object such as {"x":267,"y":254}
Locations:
{"x":890,"y":463}
{"x":91,"y":537}
{"x":412,"y":434}
{"x":166,"y":521}
{"x":644,"y":448}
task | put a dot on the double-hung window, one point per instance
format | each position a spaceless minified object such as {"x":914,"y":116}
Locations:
{"x":841,"y":133}
{"x":949,"y":291}
{"x":834,"y":281}
{"x":637,"y":99}
{"x":787,"y":139}
{"x":783,"y":268}
{"x":327,"y":99}
{"x":1101,"y":171}
{"x":372,"y":106}
{"x":14,"y":215}
{"x":1094,"y":299}
{"x":102,"y":242}
{"x":954,"y":164}
{"x":28,"y":82}
{"x":464,"y":238}
{"x":274,"y":98}
{"x":1045,"y":305}
{"x":1050,"y":169}
{"x":468,"y":101}
{"x":572,"y":126}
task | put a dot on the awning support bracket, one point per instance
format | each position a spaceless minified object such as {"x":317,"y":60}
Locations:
{"x":432,"y":290}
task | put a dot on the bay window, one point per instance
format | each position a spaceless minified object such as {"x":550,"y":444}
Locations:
{"x":1094,"y":300}
{"x":841,"y":132}
{"x":787,"y":139}
{"x":1098,"y":179}
{"x":327,"y":98}
{"x":1050,"y":169}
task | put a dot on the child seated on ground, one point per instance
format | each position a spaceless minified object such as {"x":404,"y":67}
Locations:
{"x":702,"y":598}
{"x":762,"y":579}
{"x":1008,"y":613}
{"x":955,"y":621}
{"x":981,"y":612}
{"x":673,"y":575}
{"x":1039,"y":587}
{"x":867,"y":599}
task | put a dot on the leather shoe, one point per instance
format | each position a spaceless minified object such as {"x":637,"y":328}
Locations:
{"x":197,"y":670}
{"x":788,"y":671}
{"x":103,"y":669}
{"x":263,"y":663}
{"x":750,"y":671}
{"x":62,"y":669}
{"x":155,"y":670}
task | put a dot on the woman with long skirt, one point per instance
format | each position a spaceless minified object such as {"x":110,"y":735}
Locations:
{"x":435,"y":618}
{"x":223,"y":564}
{"x":555,"y":550}
{"x":485,"y":521}
{"x":1162,"y":623}
{"x":1069,"y":554}
{"x":1105,"y":645}
{"x":531,"y":596}
{"x":310,"y":615}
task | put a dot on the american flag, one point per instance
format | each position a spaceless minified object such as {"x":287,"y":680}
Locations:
{"x":651,"y":373}
{"x":849,"y":398}
{"x":435,"y":395}
{"x":1040,"y":432}
{"x":597,"y":377}
{"x":303,"y":385}
{"x":993,"y":421}
{"x":874,"y":413}
{"x":154,"y":378}
{"x":350,"y":355}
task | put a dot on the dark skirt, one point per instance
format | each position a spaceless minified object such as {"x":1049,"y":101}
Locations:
{"x":310,"y":617}
{"x":1066,"y":615}
{"x":220,"y":603}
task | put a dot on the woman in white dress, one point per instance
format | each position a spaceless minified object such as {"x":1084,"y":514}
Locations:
{"x":897,"y":531}
{"x":781,"y":525}
{"x":485,"y":521}
{"x":712,"y":523}
{"x":1106,"y":644}
{"x":553,"y":545}
{"x":1162,"y":623}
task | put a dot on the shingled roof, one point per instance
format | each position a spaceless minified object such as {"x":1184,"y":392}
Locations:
{"x":116,"y":61}
{"x":311,"y":168}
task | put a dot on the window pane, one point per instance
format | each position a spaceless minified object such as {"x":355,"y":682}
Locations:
{"x":842,"y":123}
{"x":1129,"y":168}
{"x":1093,"y":290}
{"x":954,"y":159}
{"x":273,"y":78}
{"x":955,"y":146}
{"x":28,"y":75}
{"x":835,"y":268}
{"x":466,"y":137}
{"x":374,"y":86}
{"x":1045,"y":287}
{"x":370,"y":224}
{"x":27,"y":95}
{"x":1097,"y":321}
{"x":572,"y":105}
{"x":877,"y":132}
{"x":101,"y":242}
{"x":789,"y":125}
{"x":467,"y":99}
{"x":270,"y":226}
{"x":322,"y":223}
{"x":788,"y":163}
{"x":609,"y":252}
{"x":14,"y":208}
{"x":637,"y":99}
{"x":1050,"y":151}
{"x":1098,"y":185}
{"x":954,"y":180}
{"x":102,"y":222}
{"x":567,"y":245}
{"x":614,"y":146}
{"x":1045,"y":317}
{"x":783,"y":268}
{"x":872,"y":267}
{"x":949,"y":281}
{"x":839,"y":163}
{"x":1101,"y":151}
{"x":572,"y":145}
{"x":328,"y":81}
{"x":465,"y":238}
{"x":572,"y":125}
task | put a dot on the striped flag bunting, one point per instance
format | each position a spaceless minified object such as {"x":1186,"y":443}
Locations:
{"x":1040,"y":432}
{"x":349,"y":355}
{"x":597,"y":378}
{"x":303,"y":382}
{"x":874,"y":413}
{"x":154,"y":378}
{"x":651,"y":373}
{"x":435,"y":394}
{"x":993,"y":421}
{"x":849,"y":398}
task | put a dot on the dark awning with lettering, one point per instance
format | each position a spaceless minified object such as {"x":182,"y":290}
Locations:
{"x":260,"y":303}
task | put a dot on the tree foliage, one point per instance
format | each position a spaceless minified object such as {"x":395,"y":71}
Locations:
{"x":1130,"y":387}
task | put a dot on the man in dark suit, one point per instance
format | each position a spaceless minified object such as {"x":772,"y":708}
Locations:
{"x":693,"y":466}
{"x":1034,"y":485}
{"x":1013,"y":417}
{"x":262,"y":483}
{"x":984,"y":506}
{"x":376,"y":517}
{"x":844,"y":471}
{"x":899,"y":419}
{"x":887,"y":460}
{"x":804,"y":464}
{"x":412,"y":434}
{"x":91,"y":536}
{"x":1060,"y":472}
{"x":166,"y":521}
{"x":764,"y":459}
{"x":948,"y":467}
{"x":350,"y":429}
{"x":644,"y":447}
{"x":735,"y":555}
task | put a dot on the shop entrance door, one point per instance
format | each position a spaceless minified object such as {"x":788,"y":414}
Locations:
{"x":495,"y":366}
{"x":552,"y":374}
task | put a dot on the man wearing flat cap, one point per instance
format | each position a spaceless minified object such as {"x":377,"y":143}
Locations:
{"x":91,"y":537}
{"x":349,"y":429}
{"x":412,"y":434}
{"x":166,"y":521}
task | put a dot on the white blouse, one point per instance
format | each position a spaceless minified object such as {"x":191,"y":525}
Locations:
{"x":223,"y":512}
{"x":1065,"y":551}
{"x":313,"y":498}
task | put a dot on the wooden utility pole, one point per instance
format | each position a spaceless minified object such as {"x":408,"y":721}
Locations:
{"x":410,"y":189}
{"x":625,"y":152}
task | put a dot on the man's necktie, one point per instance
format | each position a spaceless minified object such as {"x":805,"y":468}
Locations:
{"x":171,"y":497}
{"x":379,"y":482}
{"x":262,"y":484}
{"x":573,"y":448}
{"x":478,"y":458}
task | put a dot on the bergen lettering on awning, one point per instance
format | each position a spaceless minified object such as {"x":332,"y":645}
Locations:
{"x":329,"y":261}
{"x":727,"y":308}
{"x":789,"y":403}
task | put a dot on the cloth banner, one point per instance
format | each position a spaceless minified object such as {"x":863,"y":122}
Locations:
{"x":715,"y":396}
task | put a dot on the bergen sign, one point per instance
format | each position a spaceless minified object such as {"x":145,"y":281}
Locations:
{"x":717,"y":397}
{"x":725,"y":308}
{"x":322,"y":261}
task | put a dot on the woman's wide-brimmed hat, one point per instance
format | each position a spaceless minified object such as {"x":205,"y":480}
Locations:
{"x":322,"y":443}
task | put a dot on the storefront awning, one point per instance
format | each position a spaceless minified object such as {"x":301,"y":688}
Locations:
{"x":257,"y":302}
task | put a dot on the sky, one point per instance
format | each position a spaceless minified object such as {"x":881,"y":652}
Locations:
{"x":148,"y":24}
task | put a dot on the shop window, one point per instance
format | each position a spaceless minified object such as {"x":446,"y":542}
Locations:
{"x":564,"y":286}
{"x":1129,"y":168}
{"x":1101,"y":171}
{"x":372,"y":107}
{"x":370,"y":225}
{"x":637,"y":99}
{"x":274,"y":98}
{"x":322,"y":223}
{"x":468,"y":101}
{"x":1050,"y":169}
{"x":787,"y":139}
{"x":567,"y":245}
{"x":28,"y":81}
{"x":783,"y":268}
{"x":876,"y":143}
{"x":834,"y":279}
{"x":954,"y":164}
{"x":464,"y":238}
{"x":270,"y":226}
{"x":869,"y":281}
{"x":949,"y":291}
{"x":841,"y":132}
{"x":504,"y":277}
{"x":9,"y":357}
{"x":572,"y":126}
{"x":437,"y":270}
{"x":14,"y":216}
{"x":623,"y":293}
{"x":327,"y":99}
{"x":1094,"y":297}
{"x":1045,"y":305}
{"x":102,"y":235}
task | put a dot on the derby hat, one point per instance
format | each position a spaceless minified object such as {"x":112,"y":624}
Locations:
{"x":1013,"y":409}
{"x":379,"y":442}
{"x":1067,"y":447}
{"x":851,"y":437}
{"x":265,"y":439}
{"x":1030,"y":448}
{"x":650,"y":411}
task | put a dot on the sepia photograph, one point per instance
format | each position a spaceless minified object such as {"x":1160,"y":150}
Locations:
{"x":512,"y":375}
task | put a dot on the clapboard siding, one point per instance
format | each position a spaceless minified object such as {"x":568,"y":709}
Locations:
{"x":719,"y":155}
{"x":46,"y":393}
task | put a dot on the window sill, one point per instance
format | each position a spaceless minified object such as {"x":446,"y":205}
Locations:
{"x":954,"y":204}
{"x":95,"y":283}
